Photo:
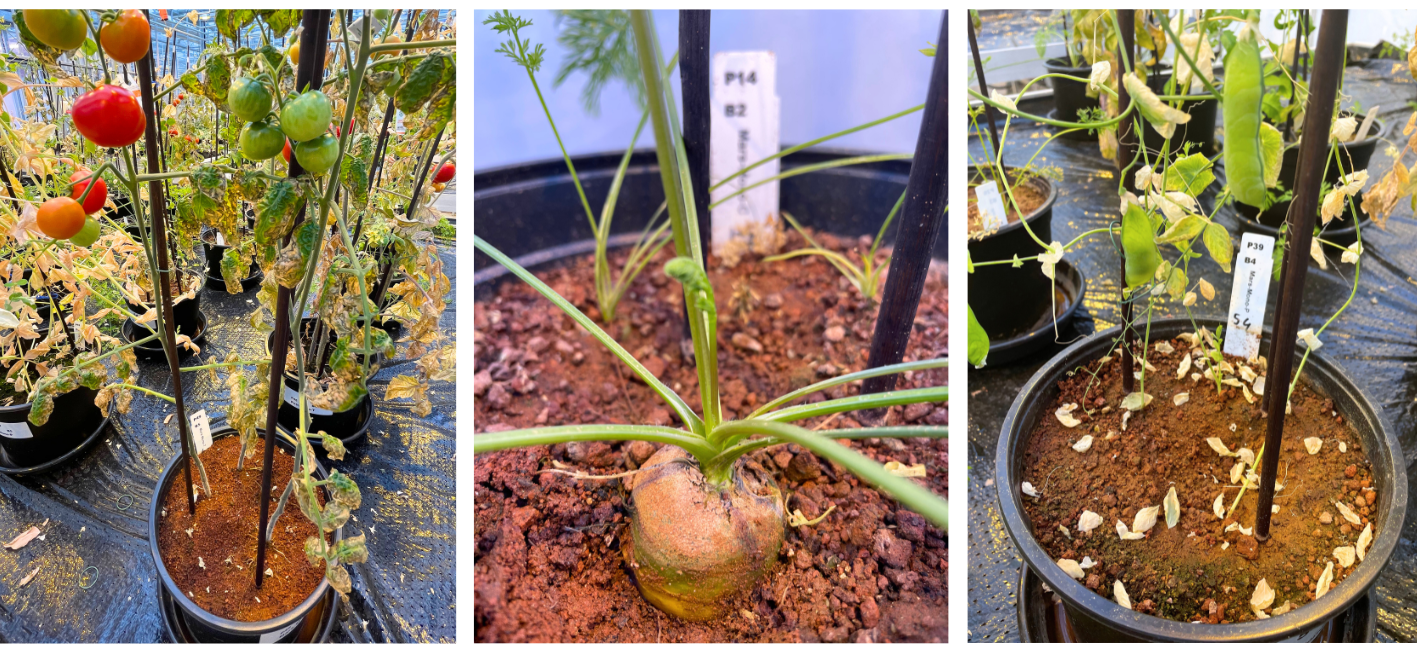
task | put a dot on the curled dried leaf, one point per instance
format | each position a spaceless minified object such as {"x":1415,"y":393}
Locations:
{"x":1219,"y":447}
{"x":1345,"y":556}
{"x":1065,"y":415}
{"x":1364,"y":539}
{"x":1089,"y":520}
{"x":1348,"y":513}
{"x":1181,"y":398}
{"x":1030,"y":490}
{"x":1125,"y":534}
{"x":1145,"y":519}
{"x":1136,"y":401}
{"x":1246,"y":456}
{"x":1071,"y":568}
{"x":1263,"y":596}
{"x":1313,"y":444}
{"x":1120,"y":593}
{"x":1083,"y":444}
{"x":1325,"y":581}
{"x":1219,"y":507}
{"x":1173,"y":508}
{"x":1087,"y":563}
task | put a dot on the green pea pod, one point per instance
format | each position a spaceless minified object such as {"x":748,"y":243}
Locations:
{"x":1139,"y":246}
{"x":1244,"y":99}
{"x":978,"y":342}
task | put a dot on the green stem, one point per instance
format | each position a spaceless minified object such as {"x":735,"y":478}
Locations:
{"x":487,"y":442}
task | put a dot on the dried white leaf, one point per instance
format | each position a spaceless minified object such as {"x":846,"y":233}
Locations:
{"x":907,"y":471}
{"x":1120,"y":593}
{"x":1145,"y":519}
{"x":1236,"y":472}
{"x":1083,"y":444}
{"x":1342,"y":447}
{"x":22,"y":539}
{"x":1219,"y":447}
{"x":1219,"y":506}
{"x":1246,"y":456}
{"x":1247,"y":374}
{"x":1274,"y":510}
{"x":1234,"y":526}
{"x":1263,"y":596}
{"x":1325,"y":581}
{"x":1173,"y":508}
{"x":1029,"y":489}
{"x":1259,"y":385}
{"x":1185,"y":367}
{"x":1207,"y":290}
{"x":1071,"y":568}
{"x":26,"y":580}
{"x":1065,"y":415}
{"x":1125,"y":534}
{"x":1126,"y":415}
{"x":1164,"y":347}
{"x":1089,"y":520}
{"x":1065,"y":531}
{"x":1136,"y":401}
{"x":1282,"y":609}
{"x":1247,"y":531}
{"x":201,"y":563}
{"x":1345,"y":556}
{"x":1308,"y":337}
{"x":1225,"y":546}
{"x":1087,"y":563}
{"x":1364,"y":539}
{"x":1313,"y":444}
{"x":1181,"y":398}
{"x":1348,"y":513}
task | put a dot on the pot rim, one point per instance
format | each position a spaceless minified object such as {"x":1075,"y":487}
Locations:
{"x":1033,"y":216}
{"x":1075,"y":595}
{"x":191,"y":608}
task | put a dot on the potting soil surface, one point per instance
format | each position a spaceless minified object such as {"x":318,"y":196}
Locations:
{"x":1375,"y":341}
{"x":92,"y":577}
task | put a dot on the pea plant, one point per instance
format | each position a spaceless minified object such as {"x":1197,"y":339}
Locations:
{"x":686,"y":577}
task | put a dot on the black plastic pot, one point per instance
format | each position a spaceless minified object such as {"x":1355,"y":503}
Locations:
{"x":1097,"y":619}
{"x":1199,"y":132}
{"x":214,"y":252}
{"x":1356,"y":156}
{"x":1072,"y":287}
{"x":207,"y":627}
{"x":1070,"y":96}
{"x":152,"y":350}
{"x":532,"y":212}
{"x":1029,"y":292}
{"x":187,"y":314}
{"x":72,"y":424}
{"x":349,"y":426}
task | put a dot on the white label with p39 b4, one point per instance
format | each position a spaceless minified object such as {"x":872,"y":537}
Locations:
{"x":1254,"y":264}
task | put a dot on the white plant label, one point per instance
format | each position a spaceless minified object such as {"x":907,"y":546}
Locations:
{"x":16,"y":430}
{"x":745,"y":129}
{"x":275,"y":635}
{"x":1253,"y":266}
{"x":220,"y":241}
{"x":201,"y":431}
{"x":990,"y":204}
{"x":292,"y":397}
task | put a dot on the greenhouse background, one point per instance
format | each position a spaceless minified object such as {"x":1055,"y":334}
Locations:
{"x":830,"y":77}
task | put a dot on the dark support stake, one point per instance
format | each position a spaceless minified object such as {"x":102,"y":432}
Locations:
{"x":164,"y":276}
{"x":983,"y":88}
{"x":919,"y":223}
{"x":694,"y":85}
{"x":1328,"y":71}
{"x":1126,"y":164}
{"x":314,"y":35}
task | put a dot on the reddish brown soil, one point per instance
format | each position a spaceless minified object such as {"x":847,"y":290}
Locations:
{"x":1188,"y":573}
{"x":1028,"y":195}
{"x":549,"y":565}
{"x":224,"y":539}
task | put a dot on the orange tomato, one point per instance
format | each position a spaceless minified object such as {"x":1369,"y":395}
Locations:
{"x":60,"y":217}
{"x":128,"y":37}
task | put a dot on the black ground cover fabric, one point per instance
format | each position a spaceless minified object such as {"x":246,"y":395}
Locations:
{"x":1375,"y":341}
{"x":97,"y":507}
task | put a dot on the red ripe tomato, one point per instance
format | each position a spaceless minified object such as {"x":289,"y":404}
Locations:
{"x":445,"y":173}
{"x":162,"y":13}
{"x":172,"y":131}
{"x":96,"y":197}
{"x":181,"y":97}
{"x":128,"y":37}
{"x":60,"y":217}
{"x":109,"y":116}
{"x":286,"y":151}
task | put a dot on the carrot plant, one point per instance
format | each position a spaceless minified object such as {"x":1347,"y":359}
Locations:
{"x":704,"y":527}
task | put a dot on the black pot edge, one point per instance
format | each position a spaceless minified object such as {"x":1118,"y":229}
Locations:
{"x":367,"y":405}
{"x":66,"y":457}
{"x":1071,"y":281}
{"x":151,"y":353}
{"x":185,"y":604}
{"x":1031,"y":217}
{"x":170,"y":614}
{"x":1158,"y":629}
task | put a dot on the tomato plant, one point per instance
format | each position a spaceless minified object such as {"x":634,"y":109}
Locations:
{"x":260,"y":141}
{"x":445,"y":173}
{"x":249,"y":99}
{"x":128,"y":37}
{"x":109,"y":116}
{"x":60,"y":217}
{"x":62,"y":29}
{"x":97,"y":196}
{"x":317,"y":156}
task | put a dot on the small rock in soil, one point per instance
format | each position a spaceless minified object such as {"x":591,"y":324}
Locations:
{"x":523,"y":517}
{"x":608,"y":392}
{"x":835,"y":333}
{"x":537,"y":344}
{"x":938,"y":417}
{"x":563,"y":347}
{"x":481,"y":382}
{"x":523,"y":385}
{"x":895,"y":552}
{"x":595,"y":454}
{"x":1094,"y":581}
{"x":659,"y":417}
{"x":746,"y":342}
{"x":782,"y":458}
{"x":803,"y":467}
{"x":639,"y":451}
{"x":578,"y":358}
{"x":1247,"y":548}
{"x":827,"y":370}
{"x":910,"y":526}
{"x":870,"y":613}
{"x":915,"y":412}
{"x":1326,"y":518}
{"x":803,"y":560}
{"x":497,"y":397}
{"x":832,"y":634}
{"x":655,"y":366}
{"x":773,"y":301}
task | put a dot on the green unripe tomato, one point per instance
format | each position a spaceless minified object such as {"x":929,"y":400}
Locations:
{"x":381,"y":15}
{"x":317,"y":156}
{"x":260,"y":140}
{"x":306,"y":117}
{"x":249,"y":99}
{"x":86,"y":235}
